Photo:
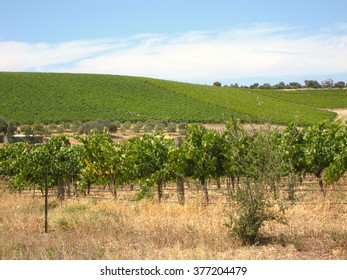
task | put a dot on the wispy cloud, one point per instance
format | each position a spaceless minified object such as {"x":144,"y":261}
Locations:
{"x":261,"y":50}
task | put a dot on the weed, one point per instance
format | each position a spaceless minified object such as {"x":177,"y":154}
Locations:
{"x":63,"y":223}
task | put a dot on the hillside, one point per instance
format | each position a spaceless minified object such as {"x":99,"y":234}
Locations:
{"x":51,"y":97}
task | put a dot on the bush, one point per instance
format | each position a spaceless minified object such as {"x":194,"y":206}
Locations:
{"x":26,"y":129}
{"x":98,"y":125}
{"x":171,"y":128}
{"x":182,"y":125}
{"x":11,"y":128}
{"x":252,"y":207}
{"x":3,"y":125}
{"x":159,"y":127}
{"x":258,"y":199}
{"x":137,"y":128}
{"x":113,"y":127}
{"x":38,"y":128}
{"x":126,"y":125}
{"x":182,"y":132}
{"x":149,"y":126}
{"x":75,"y":126}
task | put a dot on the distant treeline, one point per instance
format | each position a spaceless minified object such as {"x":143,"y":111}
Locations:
{"x":328,"y":83}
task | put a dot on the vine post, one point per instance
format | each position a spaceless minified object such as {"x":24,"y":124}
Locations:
{"x":46,"y":199}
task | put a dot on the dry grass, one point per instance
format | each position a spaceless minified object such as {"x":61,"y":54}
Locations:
{"x":90,"y":229}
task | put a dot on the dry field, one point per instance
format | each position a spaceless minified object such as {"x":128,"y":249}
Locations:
{"x":109,"y":229}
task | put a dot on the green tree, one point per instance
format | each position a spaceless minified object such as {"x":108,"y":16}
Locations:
{"x":27,"y":129}
{"x":3,"y":125}
{"x":217,"y":84}
{"x":340,"y":84}
{"x":38,"y":128}
{"x":11,"y":129}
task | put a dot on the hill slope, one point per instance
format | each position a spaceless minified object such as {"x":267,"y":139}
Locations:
{"x":51,"y":97}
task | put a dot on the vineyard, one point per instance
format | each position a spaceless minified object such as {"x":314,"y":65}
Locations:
{"x":54,"y":98}
{"x":155,"y":159}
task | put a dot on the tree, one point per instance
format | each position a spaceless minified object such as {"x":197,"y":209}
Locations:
{"x":11,"y":128}
{"x":312,"y":84}
{"x":266,"y":86}
{"x":98,"y":125}
{"x":340,"y":84}
{"x":294,"y":85}
{"x":26,"y":129}
{"x":3,"y":125}
{"x":38,"y":128}
{"x":328,"y":83}
{"x":280,"y":85}
{"x":217,"y":84}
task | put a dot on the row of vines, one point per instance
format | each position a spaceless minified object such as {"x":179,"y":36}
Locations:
{"x":152,"y":160}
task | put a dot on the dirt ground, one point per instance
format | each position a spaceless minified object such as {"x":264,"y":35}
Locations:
{"x":341,"y":112}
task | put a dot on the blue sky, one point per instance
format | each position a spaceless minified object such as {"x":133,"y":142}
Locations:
{"x":193,"y":41}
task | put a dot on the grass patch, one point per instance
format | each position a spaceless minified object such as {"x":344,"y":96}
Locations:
{"x":147,"y":230}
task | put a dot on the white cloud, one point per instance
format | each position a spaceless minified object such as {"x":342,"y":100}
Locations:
{"x":254,"y":51}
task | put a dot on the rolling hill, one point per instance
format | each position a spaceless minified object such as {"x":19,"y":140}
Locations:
{"x":52,"y":97}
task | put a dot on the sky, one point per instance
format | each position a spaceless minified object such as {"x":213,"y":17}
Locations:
{"x":196,"y":41}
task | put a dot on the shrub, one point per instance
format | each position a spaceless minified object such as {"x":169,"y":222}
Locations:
{"x":159,"y":127}
{"x":258,"y":199}
{"x":137,"y":128}
{"x":38,"y":128}
{"x":126,"y":125}
{"x":149,"y":126}
{"x":3,"y":125}
{"x":98,"y":125}
{"x":26,"y":129}
{"x":252,"y":207}
{"x":171,"y":128}
{"x":182,"y":125}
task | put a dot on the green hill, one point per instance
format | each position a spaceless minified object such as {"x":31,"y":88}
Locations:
{"x":52,"y":97}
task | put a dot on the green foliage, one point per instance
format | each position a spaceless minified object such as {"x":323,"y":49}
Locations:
{"x":325,"y":150}
{"x":27,"y":129}
{"x":38,"y":128}
{"x":126,"y":125}
{"x":145,"y":159}
{"x":253,"y":207}
{"x":85,"y":97}
{"x":98,"y":125}
{"x":257,"y":158}
{"x":171,"y":128}
{"x":3,"y":125}
{"x":322,"y":98}
{"x":11,"y":129}
{"x":101,"y":159}
{"x":137,"y":128}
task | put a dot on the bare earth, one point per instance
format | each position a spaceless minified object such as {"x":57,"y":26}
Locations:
{"x":342,"y":113}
